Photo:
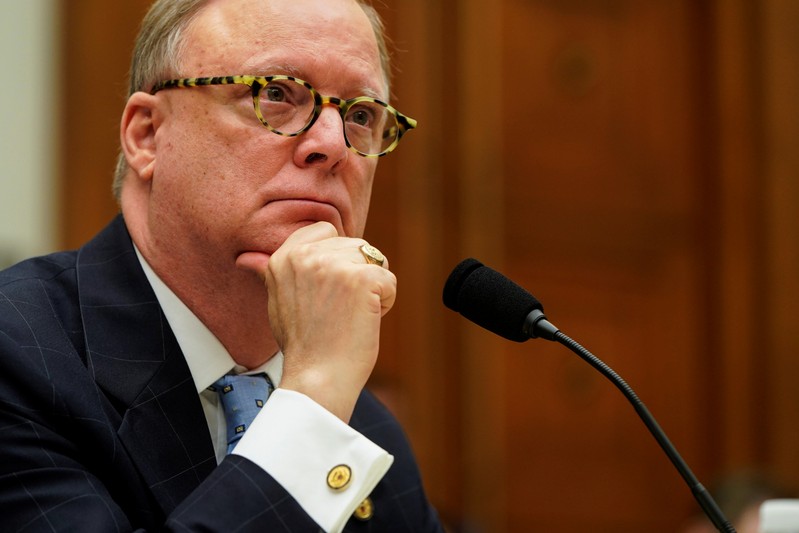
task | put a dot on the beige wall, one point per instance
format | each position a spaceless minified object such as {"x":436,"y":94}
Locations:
{"x":28,"y":126}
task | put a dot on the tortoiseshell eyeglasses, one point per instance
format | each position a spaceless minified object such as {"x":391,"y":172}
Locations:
{"x":289,"y":106}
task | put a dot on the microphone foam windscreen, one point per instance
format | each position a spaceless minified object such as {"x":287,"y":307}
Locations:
{"x":489,"y":299}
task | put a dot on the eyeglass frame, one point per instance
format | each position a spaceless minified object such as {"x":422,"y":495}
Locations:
{"x":258,"y":83}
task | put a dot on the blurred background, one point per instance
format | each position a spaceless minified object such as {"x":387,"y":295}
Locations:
{"x":633,"y":163}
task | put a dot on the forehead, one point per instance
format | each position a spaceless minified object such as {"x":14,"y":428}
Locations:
{"x":322,"y":41}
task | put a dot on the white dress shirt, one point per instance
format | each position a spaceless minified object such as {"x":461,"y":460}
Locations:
{"x":312,"y":440}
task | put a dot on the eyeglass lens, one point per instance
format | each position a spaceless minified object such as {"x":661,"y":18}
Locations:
{"x":288,"y":106}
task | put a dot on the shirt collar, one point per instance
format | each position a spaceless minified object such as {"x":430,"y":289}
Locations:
{"x":207,"y":358}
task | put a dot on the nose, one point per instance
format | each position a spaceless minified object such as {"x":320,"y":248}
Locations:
{"x":323,"y":144}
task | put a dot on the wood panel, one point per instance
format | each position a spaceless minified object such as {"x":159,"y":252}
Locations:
{"x":603,"y":168}
{"x":739,"y":266}
{"x":97,"y":39}
{"x":780,"y":301}
{"x":417,"y":369}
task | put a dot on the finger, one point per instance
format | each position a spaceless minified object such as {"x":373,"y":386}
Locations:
{"x":258,"y":262}
{"x":388,"y":291}
{"x":317,"y":231}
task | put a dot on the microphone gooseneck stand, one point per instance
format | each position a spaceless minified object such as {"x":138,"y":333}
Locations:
{"x":536,"y":325}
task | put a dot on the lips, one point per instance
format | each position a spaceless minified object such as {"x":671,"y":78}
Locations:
{"x":304,"y":210}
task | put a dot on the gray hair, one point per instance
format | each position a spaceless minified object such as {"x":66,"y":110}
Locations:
{"x":159,"y":46}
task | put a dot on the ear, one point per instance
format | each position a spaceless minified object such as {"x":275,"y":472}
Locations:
{"x":140,"y":120}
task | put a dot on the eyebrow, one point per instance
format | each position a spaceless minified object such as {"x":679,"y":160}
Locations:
{"x":276,"y":69}
{"x":289,"y":70}
{"x":368,"y":91}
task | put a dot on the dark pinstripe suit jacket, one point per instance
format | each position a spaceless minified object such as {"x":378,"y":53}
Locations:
{"x":101,"y":428}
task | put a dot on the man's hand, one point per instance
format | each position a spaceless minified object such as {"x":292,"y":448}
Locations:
{"x":325,"y":307}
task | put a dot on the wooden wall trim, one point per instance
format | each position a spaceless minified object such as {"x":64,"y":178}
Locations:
{"x":738,"y":280}
{"x":96,"y":48}
{"x":481,"y":235}
{"x":428,"y":376}
{"x":780,"y":56}
{"x":758,"y":294}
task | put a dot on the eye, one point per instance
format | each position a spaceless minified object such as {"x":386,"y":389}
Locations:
{"x":361,"y":115}
{"x":275,"y":93}
{"x":361,"y":118}
{"x":286,"y":92}
{"x":286,"y":106}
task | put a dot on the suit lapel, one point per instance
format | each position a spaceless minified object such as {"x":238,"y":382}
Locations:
{"x":138,"y":364}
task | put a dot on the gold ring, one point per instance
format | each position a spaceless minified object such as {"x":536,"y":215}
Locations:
{"x":372,"y":255}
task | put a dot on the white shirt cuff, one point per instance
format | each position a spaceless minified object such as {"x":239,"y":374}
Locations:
{"x":298,"y":443}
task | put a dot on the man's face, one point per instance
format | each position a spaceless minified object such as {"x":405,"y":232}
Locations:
{"x":222,"y":181}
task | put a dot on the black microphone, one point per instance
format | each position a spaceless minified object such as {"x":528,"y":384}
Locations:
{"x":494,"y":302}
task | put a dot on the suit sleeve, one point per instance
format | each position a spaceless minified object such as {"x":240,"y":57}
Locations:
{"x":313,"y":443}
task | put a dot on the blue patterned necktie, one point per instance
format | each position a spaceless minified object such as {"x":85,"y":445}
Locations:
{"x":242,"y":398}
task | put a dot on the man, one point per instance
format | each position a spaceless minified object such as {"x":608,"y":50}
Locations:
{"x":248,"y":160}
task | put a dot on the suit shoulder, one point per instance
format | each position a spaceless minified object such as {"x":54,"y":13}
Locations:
{"x":38,"y":287}
{"x":38,"y":302}
{"x":37,"y":270}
